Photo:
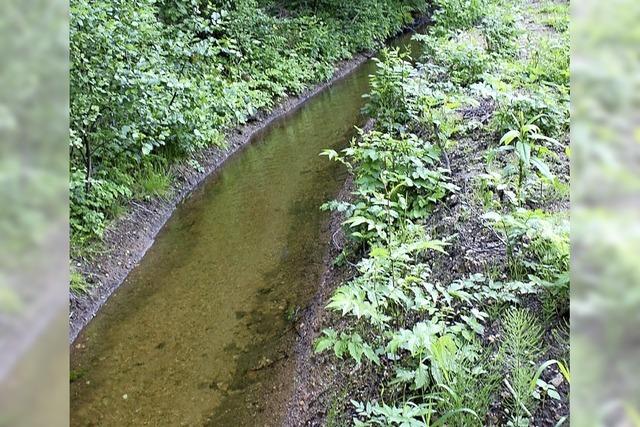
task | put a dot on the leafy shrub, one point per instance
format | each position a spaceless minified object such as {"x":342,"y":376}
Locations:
{"x":89,"y":209}
{"x":550,"y":108}
{"x":386,"y":98}
{"x":430,"y":346}
{"x":461,"y":56}
{"x":499,"y":29}
{"x":549,"y":63}
{"x":167,"y":77}
{"x":396,"y":179}
{"x":435,"y":114}
{"x":458,"y":14}
{"x":537,"y":241}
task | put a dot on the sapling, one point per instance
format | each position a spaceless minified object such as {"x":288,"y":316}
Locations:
{"x":523,"y":140}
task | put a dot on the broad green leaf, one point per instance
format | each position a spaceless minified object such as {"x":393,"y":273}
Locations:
{"x":524,"y":152}
{"x":542,"y":168}
{"x":509,"y":136}
{"x":422,"y":376}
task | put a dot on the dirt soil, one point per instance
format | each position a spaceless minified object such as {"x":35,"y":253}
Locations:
{"x":128,"y":238}
{"x":316,"y":376}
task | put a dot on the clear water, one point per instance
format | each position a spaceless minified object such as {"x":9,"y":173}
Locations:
{"x":201,"y":332}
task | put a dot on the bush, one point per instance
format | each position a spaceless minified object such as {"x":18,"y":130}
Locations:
{"x":386,"y":98}
{"x":551,"y":109}
{"x":397,"y":180}
{"x":499,"y":29}
{"x":166,"y":78}
{"x":462,"y":56}
{"x":458,"y":14}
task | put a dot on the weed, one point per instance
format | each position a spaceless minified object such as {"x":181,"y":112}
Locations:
{"x":499,"y":29}
{"x":555,"y":15}
{"x":153,"y":182}
{"x":336,"y":408}
{"x":458,"y":14}
{"x":521,"y":343}
{"x":525,"y":145}
{"x":460,"y":57}
{"x":390,"y":175}
{"x":78,"y":285}
{"x":385,"y":100}
{"x":435,"y":344}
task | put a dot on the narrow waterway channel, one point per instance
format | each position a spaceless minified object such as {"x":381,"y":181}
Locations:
{"x":202,"y":331}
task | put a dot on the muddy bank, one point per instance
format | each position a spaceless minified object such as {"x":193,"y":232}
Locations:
{"x":128,"y":238}
{"x":316,"y":376}
{"x":318,"y":379}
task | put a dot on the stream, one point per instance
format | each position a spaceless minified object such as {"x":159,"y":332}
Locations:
{"x":202,"y":330}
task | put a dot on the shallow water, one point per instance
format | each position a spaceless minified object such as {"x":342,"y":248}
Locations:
{"x":201,"y":332}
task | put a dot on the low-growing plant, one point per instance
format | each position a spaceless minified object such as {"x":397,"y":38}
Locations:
{"x":343,"y":343}
{"x":408,"y":414}
{"x":549,"y":64}
{"x":499,"y":29}
{"x":436,"y":113}
{"x":152,"y":182}
{"x":459,"y":57}
{"x":386,"y":96}
{"x":396,"y":180}
{"x":89,"y":209}
{"x":449,"y":351}
{"x":524,"y":141}
{"x":458,"y":14}
{"x":521,"y":344}
{"x":537,"y":246}
{"x":78,"y":284}
{"x":555,"y":15}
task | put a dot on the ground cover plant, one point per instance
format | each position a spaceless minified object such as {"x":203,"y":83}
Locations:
{"x":153,"y":82}
{"x":457,"y":308}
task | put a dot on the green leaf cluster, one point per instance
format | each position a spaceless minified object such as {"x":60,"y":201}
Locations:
{"x":154,"y":81}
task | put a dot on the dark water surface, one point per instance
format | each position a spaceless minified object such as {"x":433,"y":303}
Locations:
{"x":201,"y":332}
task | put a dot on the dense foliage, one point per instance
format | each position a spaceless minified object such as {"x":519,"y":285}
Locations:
{"x":153,"y":81}
{"x":472,"y":346}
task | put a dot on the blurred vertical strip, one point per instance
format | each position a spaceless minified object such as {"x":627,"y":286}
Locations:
{"x":34,"y":266}
{"x":605,"y":268}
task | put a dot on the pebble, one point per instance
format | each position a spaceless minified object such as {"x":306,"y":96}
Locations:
{"x":557,"y":380}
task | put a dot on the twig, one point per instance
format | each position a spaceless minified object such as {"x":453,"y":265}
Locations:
{"x":333,"y":239}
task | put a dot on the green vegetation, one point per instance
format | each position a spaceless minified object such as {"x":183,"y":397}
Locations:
{"x":461,"y":346}
{"x":154,"y":81}
{"x":78,"y":284}
{"x":10,"y":302}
